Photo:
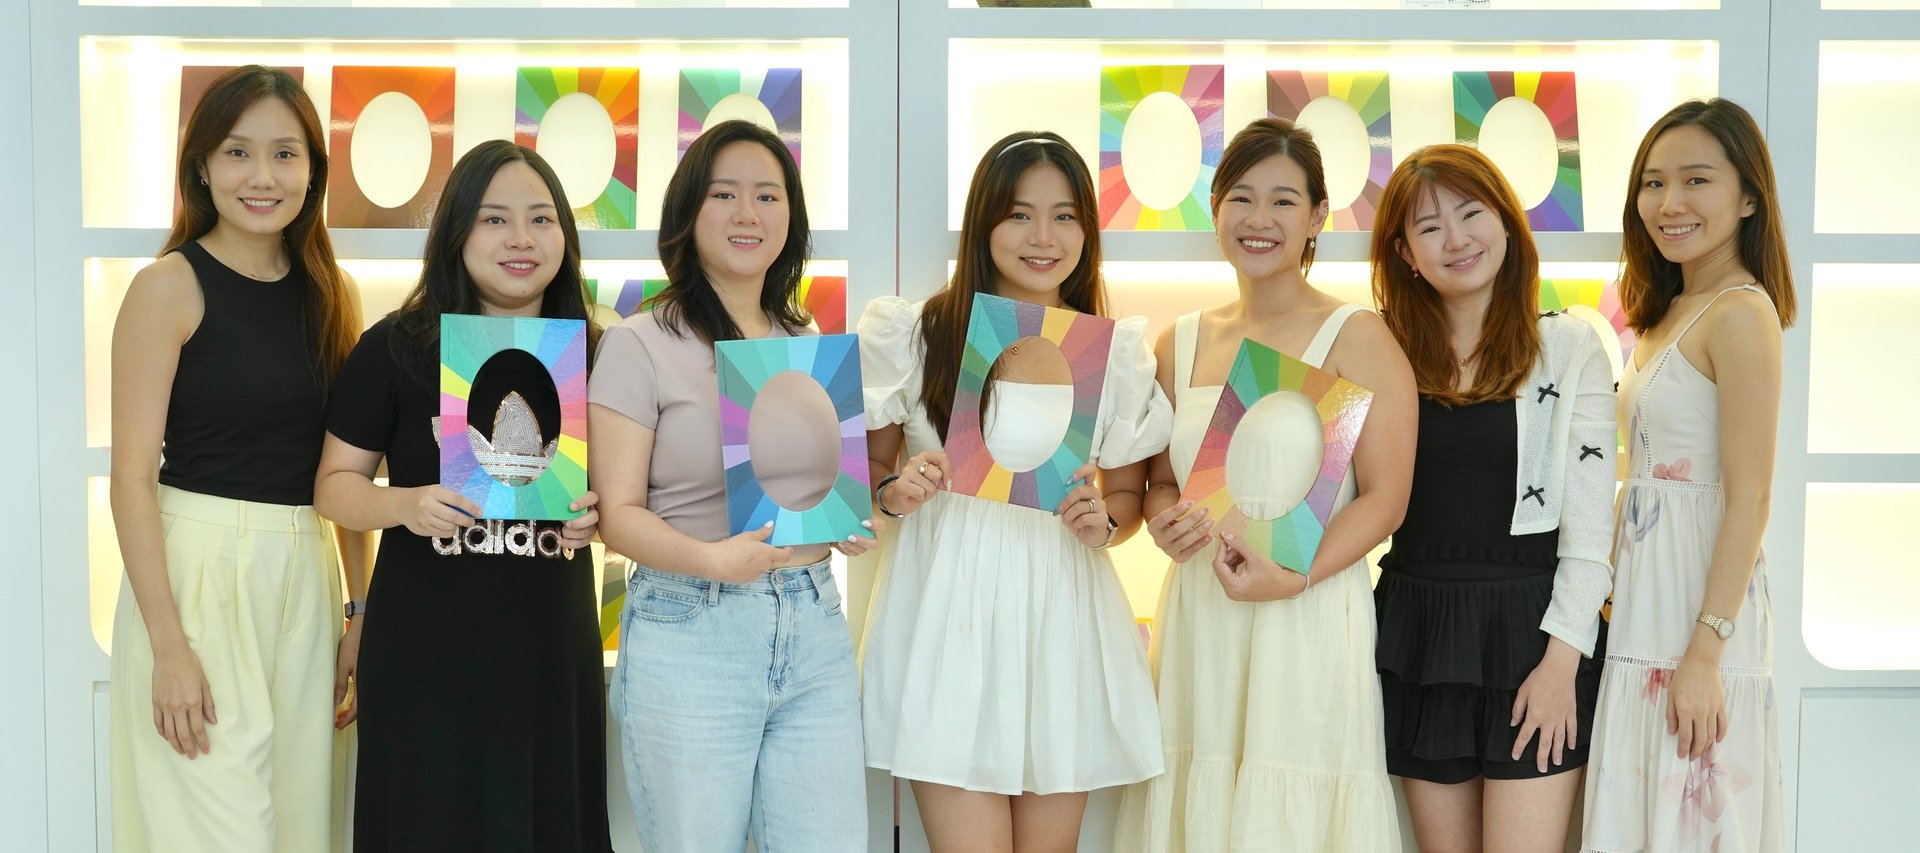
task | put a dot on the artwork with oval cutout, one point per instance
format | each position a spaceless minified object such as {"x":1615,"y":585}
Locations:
{"x":1293,"y":537}
{"x":1137,"y":196}
{"x":513,"y":417}
{"x":1027,"y":417}
{"x":1274,"y":455}
{"x":586,"y":122}
{"x":467,"y":342}
{"x":352,"y":200}
{"x":1476,"y":94}
{"x":705,"y":91}
{"x":995,"y":323}
{"x":194,"y":80}
{"x":746,"y":369}
{"x":1351,"y":116}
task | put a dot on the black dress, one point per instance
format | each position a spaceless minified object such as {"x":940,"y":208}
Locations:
{"x":1460,"y":601}
{"x":482,"y":705}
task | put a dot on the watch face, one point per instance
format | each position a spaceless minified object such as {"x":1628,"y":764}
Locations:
{"x":1725,"y":629}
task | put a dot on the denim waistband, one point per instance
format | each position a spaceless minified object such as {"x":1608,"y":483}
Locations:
{"x":789,"y":579}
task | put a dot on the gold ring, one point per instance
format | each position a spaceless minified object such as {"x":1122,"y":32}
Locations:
{"x":922,"y":469}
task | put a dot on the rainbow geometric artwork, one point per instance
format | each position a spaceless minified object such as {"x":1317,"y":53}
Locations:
{"x":627,"y":297}
{"x":1475,"y":93}
{"x":353,"y":88}
{"x":1289,"y":92}
{"x":1122,"y":88}
{"x":1563,"y":294}
{"x":825,"y":298}
{"x":1292,"y":539}
{"x":1085,"y":340}
{"x":194,"y":80}
{"x":833,"y":361}
{"x":618,"y":90}
{"x":466,"y":343}
{"x":777,"y":89}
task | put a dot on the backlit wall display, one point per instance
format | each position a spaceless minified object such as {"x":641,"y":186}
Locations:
{"x":610,"y":178}
{"x":1152,"y":175}
{"x":402,"y":119}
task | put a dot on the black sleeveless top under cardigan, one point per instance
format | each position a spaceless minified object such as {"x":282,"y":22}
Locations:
{"x":1460,"y":509}
{"x":247,"y":413}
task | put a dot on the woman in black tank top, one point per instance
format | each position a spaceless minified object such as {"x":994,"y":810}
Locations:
{"x":223,"y":666}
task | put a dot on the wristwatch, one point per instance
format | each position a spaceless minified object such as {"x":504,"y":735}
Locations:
{"x":1723,"y":627}
{"x":355,"y":608}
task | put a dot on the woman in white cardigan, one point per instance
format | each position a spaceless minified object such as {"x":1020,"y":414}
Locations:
{"x":1489,"y":601}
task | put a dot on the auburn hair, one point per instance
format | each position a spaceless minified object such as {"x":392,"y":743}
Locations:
{"x":1510,"y":334}
{"x":331,"y":327}
{"x":943,"y":321}
{"x":1648,"y":281}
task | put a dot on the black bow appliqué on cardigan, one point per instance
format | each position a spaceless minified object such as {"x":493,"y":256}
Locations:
{"x":1537,"y":494}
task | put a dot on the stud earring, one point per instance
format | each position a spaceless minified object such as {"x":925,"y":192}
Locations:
{"x":203,"y":182}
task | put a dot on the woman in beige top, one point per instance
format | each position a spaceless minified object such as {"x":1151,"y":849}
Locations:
{"x":736,"y":694}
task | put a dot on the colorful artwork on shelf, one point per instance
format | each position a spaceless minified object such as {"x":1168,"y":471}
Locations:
{"x":536,"y":90}
{"x":1553,"y":92}
{"x":995,"y":324}
{"x":1122,"y":88}
{"x":1289,"y":93}
{"x":194,"y":80}
{"x":825,"y":298}
{"x":1292,"y":538}
{"x":514,"y":475}
{"x":744,"y":368}
{"x":354,"y":87}
{"x":613,"y":599}
{"x":1563,"y":294}
{"x":777,"y":89}
{"x":626,"y":297}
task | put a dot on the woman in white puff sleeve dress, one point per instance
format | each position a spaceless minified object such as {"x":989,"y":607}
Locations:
{"x":1002,"y":672}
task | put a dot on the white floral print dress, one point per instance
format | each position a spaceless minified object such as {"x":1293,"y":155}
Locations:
{"x":1640,"y":794}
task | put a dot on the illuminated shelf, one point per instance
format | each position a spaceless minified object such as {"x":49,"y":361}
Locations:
{"x":1869,"y":108}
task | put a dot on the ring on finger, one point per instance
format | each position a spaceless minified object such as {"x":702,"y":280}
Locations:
{"x":922,"y":470}
{"x":1091,"y":507}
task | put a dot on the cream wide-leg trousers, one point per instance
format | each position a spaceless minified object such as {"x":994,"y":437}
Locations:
{"x":258,"y":591}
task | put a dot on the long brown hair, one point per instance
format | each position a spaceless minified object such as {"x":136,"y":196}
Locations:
{"x":1648,"y":281}
{"x":1272,"y":137}
{"x":331,"y":330}
{"x":943,"y":322}
{"x":1510,"y":334}
{"x":689,"y":302}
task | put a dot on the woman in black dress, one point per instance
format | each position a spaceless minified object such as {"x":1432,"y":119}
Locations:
{"x":481,"y":723}
{"x":1489,"y":602}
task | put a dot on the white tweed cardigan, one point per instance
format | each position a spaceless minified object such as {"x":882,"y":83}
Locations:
{"x":1567,"y":427}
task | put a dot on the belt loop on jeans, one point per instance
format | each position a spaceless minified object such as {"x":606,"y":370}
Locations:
{"x":713,"y":592}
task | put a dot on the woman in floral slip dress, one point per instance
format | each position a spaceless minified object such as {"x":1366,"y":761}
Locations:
{"x":1686,"y":752}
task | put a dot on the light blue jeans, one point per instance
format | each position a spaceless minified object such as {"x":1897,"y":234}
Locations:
{"x":739,"y":709}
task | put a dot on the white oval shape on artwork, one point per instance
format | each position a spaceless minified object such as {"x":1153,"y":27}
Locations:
{"x":1274,"y":455}
{"x":576,"y":137}
{"x":1342,"y":138}
{"x":1518,"y":138}
{"x":1160,"y":150}
{"x":1036,"y":416}
{"x":742,"y":106}
{"x":392,"y":149}
{"x":794,"y":439}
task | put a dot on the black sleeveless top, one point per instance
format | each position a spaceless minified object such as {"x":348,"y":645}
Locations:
{"x":246,"y":417}
{"x":1460,"y":510}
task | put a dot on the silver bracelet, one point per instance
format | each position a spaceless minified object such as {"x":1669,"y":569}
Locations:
{"x":1112,"y":527}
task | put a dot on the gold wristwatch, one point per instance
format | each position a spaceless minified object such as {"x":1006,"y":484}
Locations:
{"x":1723,"y":627}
